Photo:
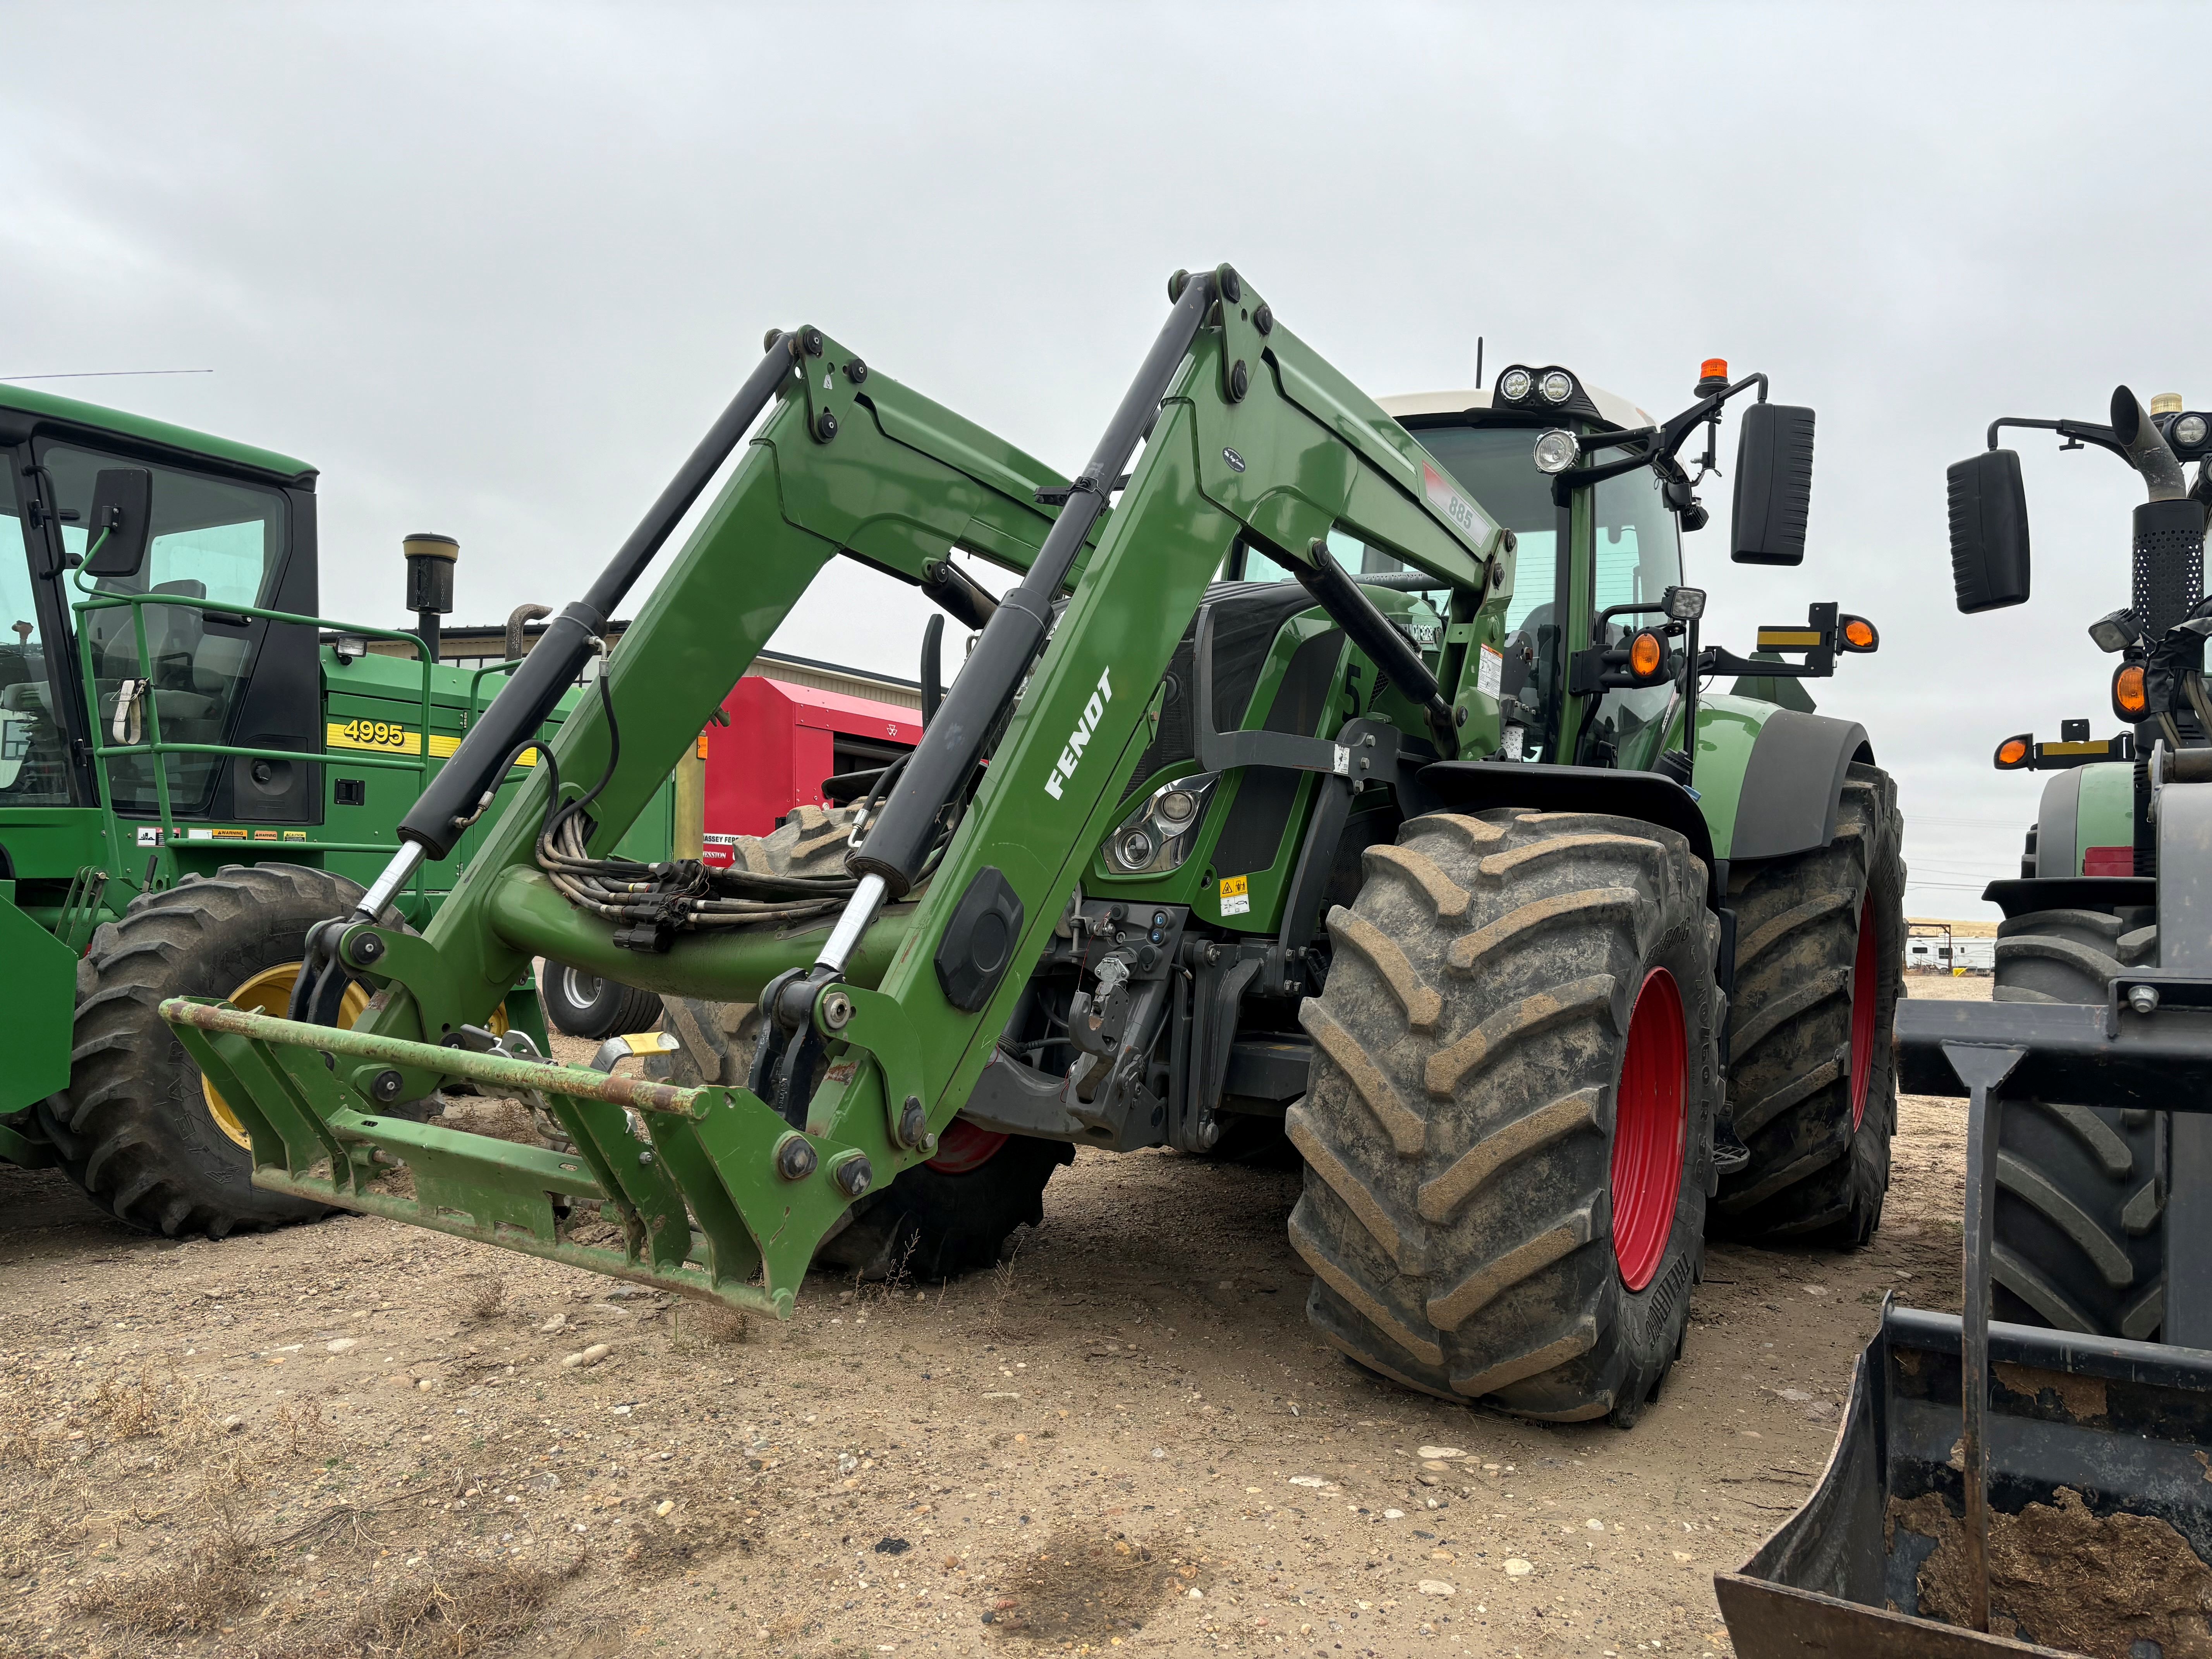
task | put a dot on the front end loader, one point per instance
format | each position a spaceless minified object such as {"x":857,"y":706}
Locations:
{"x":1322,"y":773}
{"x":2034,"y":1469}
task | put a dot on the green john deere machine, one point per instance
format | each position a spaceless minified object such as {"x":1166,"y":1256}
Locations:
{"x":1350,"y":771}
{"x":194,"y":769}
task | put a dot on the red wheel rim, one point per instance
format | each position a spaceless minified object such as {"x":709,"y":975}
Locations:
{"x":962,"y":1147}
{"x":1651,"y":1120}
{"x":1866,"y":991}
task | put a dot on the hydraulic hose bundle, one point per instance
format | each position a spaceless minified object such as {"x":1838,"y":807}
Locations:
{"x":651,"y":903}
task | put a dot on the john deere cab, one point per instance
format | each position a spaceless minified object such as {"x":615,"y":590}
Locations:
{"x":194,"y":769}
{"x":1322,"y":766}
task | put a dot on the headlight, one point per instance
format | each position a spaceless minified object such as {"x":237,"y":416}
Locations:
{"x":2189,"y":431}
{"x":1557,"y":451}
{"x":1160,"y":834}
{"x":2115,"y":631}
{"x":1515,"y":384}
{"x":1558,"y":386}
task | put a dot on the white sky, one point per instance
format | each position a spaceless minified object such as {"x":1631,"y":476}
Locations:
{"x":493,"y":269}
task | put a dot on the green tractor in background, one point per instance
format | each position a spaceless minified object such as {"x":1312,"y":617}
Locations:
{"x":195,"y":769}
{"x":1346,"y":768}
{"x":2082,"y":1191}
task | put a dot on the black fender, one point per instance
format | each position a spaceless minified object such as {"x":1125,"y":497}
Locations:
{"x":1478,"y":786}
{"x":1793,"y":784}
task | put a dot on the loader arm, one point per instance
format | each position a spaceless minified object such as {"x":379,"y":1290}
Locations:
{"x":1250,"y":435}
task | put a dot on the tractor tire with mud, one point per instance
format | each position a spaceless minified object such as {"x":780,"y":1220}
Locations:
{"x":1508,"y":1134}
{"x":1819,"y":961}
{"x":2080,"y":1233}
{"x":940,"y":1219}
{"x":139,"y":1128}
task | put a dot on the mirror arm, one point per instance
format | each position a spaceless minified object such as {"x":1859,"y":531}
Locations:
{"x":2076,"y":433}
{"x":1663,"y":442}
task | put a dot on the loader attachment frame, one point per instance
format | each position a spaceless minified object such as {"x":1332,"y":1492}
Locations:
{"x":1247,"y":435}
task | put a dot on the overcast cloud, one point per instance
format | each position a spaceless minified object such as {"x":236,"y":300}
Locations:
{"x":492,"y":270}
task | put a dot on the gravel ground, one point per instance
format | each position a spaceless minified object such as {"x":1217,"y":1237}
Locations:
{"x":361,"y":1438}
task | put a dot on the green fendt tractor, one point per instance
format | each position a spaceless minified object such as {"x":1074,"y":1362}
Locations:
{"x":1320,"y":766}
{"x":194,"y":769}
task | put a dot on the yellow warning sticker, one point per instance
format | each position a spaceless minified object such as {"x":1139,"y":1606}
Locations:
{"x":1236,"y":895}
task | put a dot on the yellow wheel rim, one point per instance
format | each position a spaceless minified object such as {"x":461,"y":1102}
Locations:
{"x":269,"y":992}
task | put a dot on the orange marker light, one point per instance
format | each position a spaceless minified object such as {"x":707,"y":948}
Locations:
{"x":2012,"y":752}
{"x":1645,"y":654}
{"x":1713,"y":368}
{"x":1858,"y":633}
{"x":2128,"y":698}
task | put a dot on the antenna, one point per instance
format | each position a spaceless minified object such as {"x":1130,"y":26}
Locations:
{"x":102,"y":374}
{"x":1478,"y":363}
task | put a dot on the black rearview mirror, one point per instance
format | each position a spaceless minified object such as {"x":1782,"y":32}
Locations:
{"x":122,"y":521}
{"x":1773,"y":484}
{"x":1989,"y":531}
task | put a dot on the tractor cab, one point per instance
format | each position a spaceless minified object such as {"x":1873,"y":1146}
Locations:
{"x":226,"y":525}
{"x":1578,"y":552}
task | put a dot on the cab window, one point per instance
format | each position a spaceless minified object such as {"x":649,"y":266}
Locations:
{"x":1639,"y":555}
{"x":34,"y":753}
{"x":213,"y":540}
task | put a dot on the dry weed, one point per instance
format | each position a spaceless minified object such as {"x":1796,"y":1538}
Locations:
{"x":999,"y":1291}
{"x":302,"y":1428}
{"x":209,"y":1580}
{"x":485,"y":1300}
{"x":455,"y":1614}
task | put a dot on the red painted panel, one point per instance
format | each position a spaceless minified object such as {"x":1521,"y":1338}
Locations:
{"x":778,"y":747}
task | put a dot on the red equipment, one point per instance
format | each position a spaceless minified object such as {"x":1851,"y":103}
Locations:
{"x":781,"y":741}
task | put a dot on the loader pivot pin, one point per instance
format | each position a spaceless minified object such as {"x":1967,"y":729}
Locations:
{"x":794,"y":1157}
{"x":913,"y":1122}
{"x":854,"y":1174}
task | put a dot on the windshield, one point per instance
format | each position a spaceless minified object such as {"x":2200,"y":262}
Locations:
{"x":1496,"y":465}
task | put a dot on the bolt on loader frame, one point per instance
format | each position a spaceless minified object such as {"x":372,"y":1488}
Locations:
{"x":974,"y":859}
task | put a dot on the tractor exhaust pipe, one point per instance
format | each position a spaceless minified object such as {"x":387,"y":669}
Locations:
{"x":2169,"y":528}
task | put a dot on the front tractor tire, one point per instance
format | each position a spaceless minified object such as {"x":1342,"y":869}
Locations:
{"x":2080,"y":1220}
{"x":1508,"y":1132}
{"x":1819,"y":964}
{"x":139,"y":1128}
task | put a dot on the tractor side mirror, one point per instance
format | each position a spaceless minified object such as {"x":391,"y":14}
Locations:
{"x":1773,"y":484}
{"x":1989,"y":531}
{"x":122,"y":521}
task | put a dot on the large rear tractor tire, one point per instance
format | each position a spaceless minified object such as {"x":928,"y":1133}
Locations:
{"x":1508,"y":1135}
{"x":937,"y":1220}
{"x":139,"y":1128}
{"x":2081,"y":1235}
{"x":1820,"y":963}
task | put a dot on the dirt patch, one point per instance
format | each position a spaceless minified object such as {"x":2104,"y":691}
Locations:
{"x":1081,"y":1587}
{"x":2066,"y":1577}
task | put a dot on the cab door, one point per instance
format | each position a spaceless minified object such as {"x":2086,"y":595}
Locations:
{"x":214,"y":675}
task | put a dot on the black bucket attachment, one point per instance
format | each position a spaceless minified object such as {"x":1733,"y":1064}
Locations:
{"x":1997,"y":1488}
{"x":2101,"y":1506}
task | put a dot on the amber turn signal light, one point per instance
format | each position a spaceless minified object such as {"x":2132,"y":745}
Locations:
{"x":1647,"y":654}
{"x":2130,"y":700}
{"x":1858,"y":634}
{"x":2014,"y":753}
{"x":1712,"y":376}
